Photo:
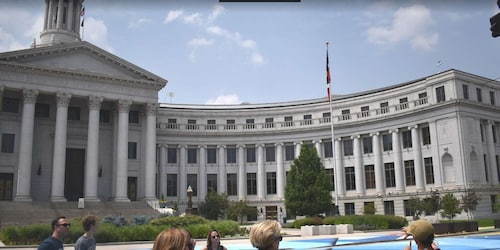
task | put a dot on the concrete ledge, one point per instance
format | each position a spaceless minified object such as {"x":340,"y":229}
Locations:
{"x":326,"y":230}
{"x":344,"y":229}
{"x":309,"y":230}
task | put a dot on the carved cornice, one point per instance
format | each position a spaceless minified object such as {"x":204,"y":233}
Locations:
{"x":151,"y":109}
{"x":124,"y":106}
{"x":95,"y":102}
{"x":63,"y":99}
{"x":30,"y":96}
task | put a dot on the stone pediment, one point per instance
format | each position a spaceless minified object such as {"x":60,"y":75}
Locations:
{"x":80,"y":57}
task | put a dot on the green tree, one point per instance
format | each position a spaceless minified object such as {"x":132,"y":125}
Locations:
{"x":308,"y":186}
{"x":432,"y":203}
{"x":450,"y":206}
{"x":214,"y":206}
{"x":240,"y":209}
{"x":416,"y":207}
{"x":369,"y":208}
{"x":469,"y":202}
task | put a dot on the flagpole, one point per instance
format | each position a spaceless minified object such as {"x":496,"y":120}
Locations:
{"x":328,"y":79}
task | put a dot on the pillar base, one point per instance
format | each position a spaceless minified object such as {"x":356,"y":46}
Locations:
{"x":121,"y":199}
{"x":58,"y":199}
{"x":23,"y":198}
{"x":92,"y":199}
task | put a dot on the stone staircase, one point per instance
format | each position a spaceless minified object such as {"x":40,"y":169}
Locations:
{"x":25,"y":213}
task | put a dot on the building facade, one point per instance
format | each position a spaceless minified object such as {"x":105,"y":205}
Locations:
{"x":77,"y":121}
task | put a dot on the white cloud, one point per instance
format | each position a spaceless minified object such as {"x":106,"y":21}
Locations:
{"x":134,"y":24}
{"x":173,"y":15}
{"x":216,"y":12}
{"x":96,"y":32}
{"x":194,"y":19}
{"x":197,"y":42}
{"x":257,"y":59}
{"x":28,"y":25}
{"x":410,"y":24}
{"x":224,"y":99}
{"x":8,"y":42}
{"x":216,"y":30}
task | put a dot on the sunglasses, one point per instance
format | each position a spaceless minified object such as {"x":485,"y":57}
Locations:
{"x":65,"y":225}
{"x":215,"y":236}
{"x":280,"y":238}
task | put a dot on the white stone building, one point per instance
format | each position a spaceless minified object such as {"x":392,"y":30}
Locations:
{"x":77,"y":121}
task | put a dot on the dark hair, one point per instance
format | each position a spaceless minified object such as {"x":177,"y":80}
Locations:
{"x":56,"y":221}
{"x":209,"y":242}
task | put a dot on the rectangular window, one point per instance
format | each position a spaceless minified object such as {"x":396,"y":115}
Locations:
{"x":422,"y":98}
{"x":192,"y":156}
{"x":426,"y":136}
{"x":212,"y":182}
{"x":211,"y":155}
{"x":42,"y":110}
{"x":481,"y":127}
{"x":271,"y":182}
{"x":270,"y":153}
{"x":370,"y":176}
{"x":387,"y":142}
{"x":479,"y":95}
{"x":365,"y":111}
{"x":250,"y":154}
{"x":191,"y":125}
{"x":486,"y":173}
{"x":250,"y":124}
{"x":440,"y":94}
{"x":73,"y":113}
{"x":349,"y":208}
{"x":327,"y":149}
{"x":329,"y":172}
{"x":10,"y":105}
{"x":172,"y":155}
{"x":410,"y":173}
{"x":269,"y":123}
{"x":231,"y":154}
{"x":348,"y":149}
{"x":132,"y":150}
{"x":367,"y":145}
{"x":172,"y":124}
{"x":407,"y":208}
{"x":389,"y":207}
{"x":492,"y":97}
{"x":429,"y":170}
{"x":288,"y":121}
{"x":465,"y":90}
{"x":289,"y":152}
{"x":403,"y":103}
{"x":104,"y":116}
{"x":350,"y":180}
{"x":346,"y":114}
{"x":407,"y":143}
{"x":192,"y":180}
{"x":8,"y":141}
{"x":171,"y":185}
{"x":251,"y":183}
{"x":307,"y":119}
{"x":326,"y":117}
{"x":232,"y":187}
{"x":133,"y":117}
{"x":211,"y":125}
{"x":390,"y":174}
{"x":384,"y":108}
{"x":230,"y":124}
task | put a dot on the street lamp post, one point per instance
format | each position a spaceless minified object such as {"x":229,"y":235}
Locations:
{"x":189,"y":209}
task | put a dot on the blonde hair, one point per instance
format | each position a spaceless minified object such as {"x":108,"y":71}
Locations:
{"x":263,"y":234}
{"x":173,"y":239}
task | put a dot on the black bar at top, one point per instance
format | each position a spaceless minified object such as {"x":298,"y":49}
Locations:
{"x":259,"y":1}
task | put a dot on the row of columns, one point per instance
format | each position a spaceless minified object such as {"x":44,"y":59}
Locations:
{"x":92,"y":151}
{"x":72,"y":18}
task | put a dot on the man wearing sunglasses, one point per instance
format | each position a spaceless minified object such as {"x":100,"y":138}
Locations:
{"x":60,"y":229}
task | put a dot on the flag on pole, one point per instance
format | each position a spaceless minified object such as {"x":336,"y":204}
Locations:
{"x":328,"y":78}
{"x":82,"y":14}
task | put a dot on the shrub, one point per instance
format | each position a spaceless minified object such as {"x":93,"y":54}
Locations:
{"x":308,"y":221}
{"x":174,"y":221}
{"x":364,"y":222}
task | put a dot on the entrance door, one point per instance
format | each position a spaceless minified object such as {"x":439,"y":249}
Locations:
{"x":271,"y":212}
{"x":132,"y":188}
{"x":73,"y":180}
{"x":6,"y":181}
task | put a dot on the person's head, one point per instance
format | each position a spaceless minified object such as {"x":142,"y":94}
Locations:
{"x":266,"y":235}
{"x":174,"y":239}
{"x":422,"y":231}
{"x":90,"y":223}
{"x":60,"y":227}
{"x":213,"y":238}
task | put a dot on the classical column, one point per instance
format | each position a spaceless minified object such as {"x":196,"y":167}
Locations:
{"x":339,"y":168}
{"x":50,"y":21}
{"x":60,"y":14}
{"x":92,"y":158}
{"x":202,"y":189}
{"x":317,"y":145}
{"x":59,"y":158}
{"x":121,"y":175}
{"x":241,"y":172}
{"x":438,"y":170}
{"x":490,"y":150}
{"x":149,"y":171}
{"x":182,"y":172}
{"x":359,"y":169}
{"x":298,"y":145}
{"x":378,"y":163}
{"x":398,"y":160}
{"x":163,"y":170}
{"x":261,"y":173}
{"x":26,"y":145}
{"x":222,"y":169}
{"x":280,"y":172}
{"x":417,"y":158}
{"x":69,"y":25}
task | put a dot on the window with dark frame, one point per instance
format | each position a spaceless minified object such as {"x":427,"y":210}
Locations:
{"x":465,"y":90}
{"x":42,"y":110}
{"x":407,"y":142}
{"x":212,"y":182}
{"x":192,"y":180}
{"x":171,"y":185}
{"x":348,"y":148}
{"x":104,"y":116}
{"x":367,"y":145}
{"x":387,"y":142}
{"x":192,"y":155}
{"x":8,"y":141}
{"x":370,"y":176}
{"x":440,"y":94}
{"x":390,"y":174}
{"x":211,"y":155}
{"x":271,"y":182}
{"x":270,"y":153}
{"x":73,"y":113}
{"x":172,"y":155}
{"x":350,"y":178}
{"x":251,"y":183}
{"x":232,"y":185}
{"x":479,"y":95}
{"x":132,"y":150}
{"x":250,"y":154}
{"x":289,"y":152}
{"x":429,"y":170}
{"x":231,"y":154}
{"x":327,"y":149}
{"x":410,"y":173}
{"x":133,"y":117}
{"x":426,"y":136}
{"x":10,"y":105}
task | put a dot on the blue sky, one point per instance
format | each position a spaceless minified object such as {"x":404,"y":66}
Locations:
{"x":229,"y":53}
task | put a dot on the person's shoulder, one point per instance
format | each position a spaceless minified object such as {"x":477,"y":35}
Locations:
{"x":204,"y":248}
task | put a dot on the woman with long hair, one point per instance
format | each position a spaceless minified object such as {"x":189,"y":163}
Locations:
{"x":213,"y":241}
